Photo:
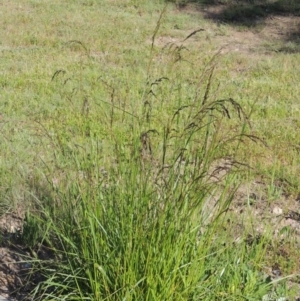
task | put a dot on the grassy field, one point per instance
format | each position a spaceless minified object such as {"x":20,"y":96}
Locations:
{"x":152,"y":150}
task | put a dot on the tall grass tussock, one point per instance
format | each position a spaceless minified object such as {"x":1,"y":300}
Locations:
{"x":135,"y":205}
{"x":133,"y":181}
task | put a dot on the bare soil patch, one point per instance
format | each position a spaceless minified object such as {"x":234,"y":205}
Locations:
{"x":18,"y":263}
{"x":13,"y":266}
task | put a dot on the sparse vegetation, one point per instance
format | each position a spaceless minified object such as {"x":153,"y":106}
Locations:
{"x":148,"y":158}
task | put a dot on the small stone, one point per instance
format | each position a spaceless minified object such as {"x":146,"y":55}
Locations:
{"x":277,"y":210}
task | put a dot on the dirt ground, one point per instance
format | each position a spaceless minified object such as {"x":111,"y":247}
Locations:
{"x":13,"y":259}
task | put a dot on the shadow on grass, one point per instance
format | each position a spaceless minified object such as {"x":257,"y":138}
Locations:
{"x":291,"y":42}
{"x":249,"y":13}
{"x":258,"y":14}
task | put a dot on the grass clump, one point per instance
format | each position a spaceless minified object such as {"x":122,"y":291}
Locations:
{"x":137,"y":196}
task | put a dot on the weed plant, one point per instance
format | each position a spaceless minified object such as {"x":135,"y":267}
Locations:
{"x":136,"y":197}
